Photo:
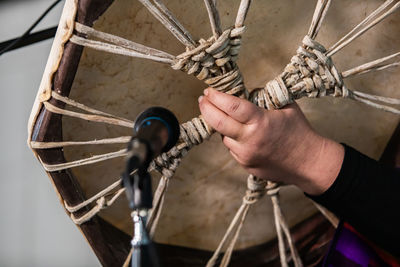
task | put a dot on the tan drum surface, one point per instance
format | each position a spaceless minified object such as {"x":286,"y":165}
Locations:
{"x":208,"y":188}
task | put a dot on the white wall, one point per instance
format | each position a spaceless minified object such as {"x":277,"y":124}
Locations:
{"x":34,"y":230}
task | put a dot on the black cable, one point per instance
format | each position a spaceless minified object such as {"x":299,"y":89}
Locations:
{"x":29,"y":39}
{"x":15,"y":42}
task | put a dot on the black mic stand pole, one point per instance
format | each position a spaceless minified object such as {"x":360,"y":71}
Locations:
{"x":139,"y":193}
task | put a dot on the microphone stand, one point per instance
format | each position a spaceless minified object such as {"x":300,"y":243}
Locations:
{"x":137,"y":182}
{"x":156,"y":130}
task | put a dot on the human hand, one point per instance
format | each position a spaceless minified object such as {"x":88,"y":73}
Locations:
{"x":278,"y":145}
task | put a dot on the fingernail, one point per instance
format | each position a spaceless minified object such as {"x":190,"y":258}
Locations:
{"x":200,"y":98}
{"x":205,"y":92}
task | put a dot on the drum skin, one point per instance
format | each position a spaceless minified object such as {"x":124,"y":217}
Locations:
{"x":208,"y":187}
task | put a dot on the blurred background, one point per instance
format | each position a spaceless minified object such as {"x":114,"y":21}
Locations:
{"x":34,"y":229}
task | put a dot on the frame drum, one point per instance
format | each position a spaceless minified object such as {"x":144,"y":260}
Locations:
{"x":208,"y":187}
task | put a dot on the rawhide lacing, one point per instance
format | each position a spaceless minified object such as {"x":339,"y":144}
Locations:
{"x":256,"y":189}
{"x":310,"y":73}
{"x":214,"y":62}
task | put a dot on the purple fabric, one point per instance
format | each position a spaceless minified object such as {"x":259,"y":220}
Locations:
{"x":348,"y":250}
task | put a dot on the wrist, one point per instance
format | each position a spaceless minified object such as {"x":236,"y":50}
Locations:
{"x":321,"y":165}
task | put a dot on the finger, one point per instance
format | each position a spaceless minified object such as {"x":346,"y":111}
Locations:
{"x":239,"y":151}
{"x":228,"y":142}
{"x":231,"y":144}
{"x":239,"y":109}
{"x":235,"y":156}
{"x":217,"y":119}
{"x":238,"y":159}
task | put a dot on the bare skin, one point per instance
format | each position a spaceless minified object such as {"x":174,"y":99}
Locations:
{"x":278,"y":145}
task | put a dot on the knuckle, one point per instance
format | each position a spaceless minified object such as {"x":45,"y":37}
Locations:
{"x":264,"y":121}
{"x":234,"y":106}
{"x":251,"y":131}
{"x":257,"y":115}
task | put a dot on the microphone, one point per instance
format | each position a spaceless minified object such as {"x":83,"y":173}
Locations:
{"x":156,"y":130}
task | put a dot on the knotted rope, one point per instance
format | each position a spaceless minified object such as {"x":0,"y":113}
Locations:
{"x":166,"y":164}
{"x":214,"y":62}
{"x":103,"y":199}
{"x":311,"y":73}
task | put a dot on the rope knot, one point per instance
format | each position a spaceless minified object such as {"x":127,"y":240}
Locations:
{"x":168,"y":162}
{"x":274,"y":95}
{"x":272,"y":188}
{"x":195,"y":131}
{"x":214,"y":62}
{"x":101,"y":203}
{"x":255,"y":189}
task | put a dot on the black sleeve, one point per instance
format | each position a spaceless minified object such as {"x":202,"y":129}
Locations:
{"x":366,"y":194}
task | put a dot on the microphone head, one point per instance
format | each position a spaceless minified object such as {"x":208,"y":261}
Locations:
{"x":162,"y":115}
